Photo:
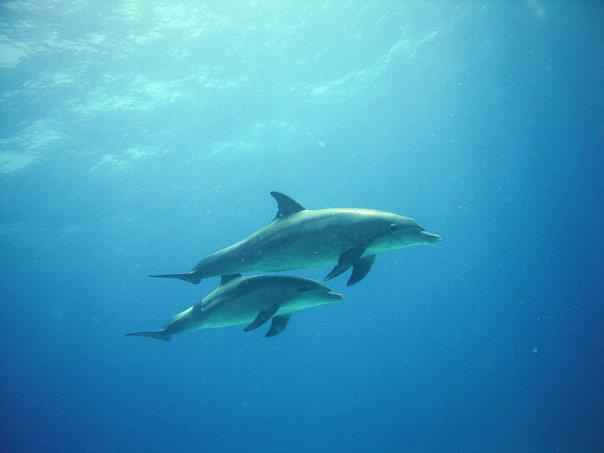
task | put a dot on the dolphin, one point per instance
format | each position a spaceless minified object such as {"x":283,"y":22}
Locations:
{"x":301,"y":238}
{"x":248,"y":300}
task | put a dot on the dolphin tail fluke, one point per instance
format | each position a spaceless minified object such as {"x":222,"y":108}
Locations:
{"x":192,"y":277}
{"x":158,"y":335}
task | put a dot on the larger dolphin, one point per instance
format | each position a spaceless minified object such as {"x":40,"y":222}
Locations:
{"x":248,"y":300}
{"x":302,"y":238}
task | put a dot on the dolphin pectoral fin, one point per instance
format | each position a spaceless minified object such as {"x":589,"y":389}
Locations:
{"x":339,"y":268}
{"x":277,"y":325}
{"x":286,"y":206}
{"x":360,"y":269}
{"x":262,"y":317}
{"x":192,"y":277}
{"x":346,"y":260}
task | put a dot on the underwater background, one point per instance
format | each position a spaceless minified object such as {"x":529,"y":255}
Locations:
{"x":139,"y":137}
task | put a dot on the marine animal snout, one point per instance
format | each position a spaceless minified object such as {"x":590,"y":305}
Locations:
{"x":335,"y":296}
{"x":431,"y":237}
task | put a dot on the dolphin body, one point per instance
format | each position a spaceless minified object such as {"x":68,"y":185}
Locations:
{"x":248,"y":300}
{"x":301,"y":238}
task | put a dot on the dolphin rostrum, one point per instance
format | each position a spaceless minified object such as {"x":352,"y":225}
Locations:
{"x":248,"y":300}
{"x":302,"y":238}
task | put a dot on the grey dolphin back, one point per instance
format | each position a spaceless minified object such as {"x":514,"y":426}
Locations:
{"x":286,"y":206}
{"x":352,"y":257}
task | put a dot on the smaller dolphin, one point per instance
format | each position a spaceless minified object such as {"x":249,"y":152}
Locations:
{"x":248,"y":300}
{"x":301,"y":238}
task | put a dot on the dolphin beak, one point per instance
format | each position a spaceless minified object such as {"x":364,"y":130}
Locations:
{"x":334,"y":296}
{"x":431,"y":237}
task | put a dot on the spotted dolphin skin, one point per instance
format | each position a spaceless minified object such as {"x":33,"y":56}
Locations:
{"x":303,"y":238}
{"x":248,"y":300}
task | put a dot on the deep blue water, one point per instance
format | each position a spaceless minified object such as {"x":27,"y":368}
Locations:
{"x":137,"y":138}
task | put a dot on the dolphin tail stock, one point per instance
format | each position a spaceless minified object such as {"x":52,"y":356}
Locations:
{"x":191,"y":277}
{"x":158,"y":335}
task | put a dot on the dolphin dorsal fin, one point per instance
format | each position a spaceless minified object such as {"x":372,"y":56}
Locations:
{"x":286,"y":205}
{"x":224,"y":279}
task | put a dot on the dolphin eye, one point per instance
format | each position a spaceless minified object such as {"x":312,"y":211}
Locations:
{"x":304,"y":290}
{"x":394,"y":226}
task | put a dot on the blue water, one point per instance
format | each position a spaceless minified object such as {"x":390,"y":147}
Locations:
{"x":137,"y":138}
